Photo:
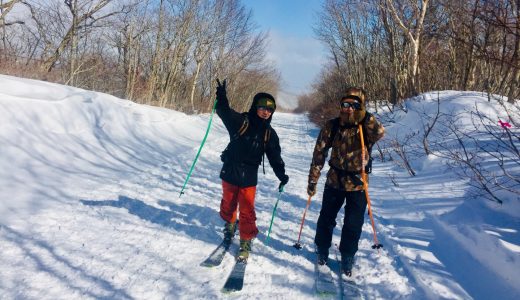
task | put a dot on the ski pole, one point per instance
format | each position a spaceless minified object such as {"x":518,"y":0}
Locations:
{"x":200,"y":148}
{"x":298,"y":245}
{"x":272,"y":217}
{"x":365,"y":187}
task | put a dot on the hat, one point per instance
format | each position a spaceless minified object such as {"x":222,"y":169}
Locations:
{"x":359,"y":95}
{"x":355,"y":93}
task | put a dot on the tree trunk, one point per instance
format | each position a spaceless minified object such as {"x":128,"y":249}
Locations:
{"x":154,"y":73}
{"x":515,"y":61}
{"x":5,"y":8}
{"x":74,"y":43}
{"x":413,"y":37}
{"x":71,"y":32}
{"x":131,"y":62}
{"x":194,"y":84}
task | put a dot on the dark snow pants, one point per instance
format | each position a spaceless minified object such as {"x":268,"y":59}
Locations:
{"x":355,"y":207}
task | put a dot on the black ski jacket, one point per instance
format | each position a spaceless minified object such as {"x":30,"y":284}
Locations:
{"x":243,"y":155}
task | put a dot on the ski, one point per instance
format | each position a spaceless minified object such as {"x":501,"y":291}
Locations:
{"x":324,"y":281}
{"x":350,"y":289}
{"x":216,"y":257}
{"x":235,"y":280}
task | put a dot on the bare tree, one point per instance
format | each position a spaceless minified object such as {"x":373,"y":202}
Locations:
{"x":164,"y":52}
{"x":428,"y":125}
{"x":5,"y":7}
{"x":401,"y":148}
{"x":128,"y":39}
{"x":395,"y":54}
{"x":83,"y":15}
{"x":157,"y":54}
{"x":177,"y":54}
{"x":515,"y":58}
{"x":413,"y":28}
{"x":207,"y":33}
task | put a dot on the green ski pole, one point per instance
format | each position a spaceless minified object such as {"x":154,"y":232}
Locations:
{"x":200,"y":148}
{"x":272,"y":217}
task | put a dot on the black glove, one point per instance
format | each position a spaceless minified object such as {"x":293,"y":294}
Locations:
{"x":311,"y":189}
{"x":221,"y":91}
{"x":283,"y":182}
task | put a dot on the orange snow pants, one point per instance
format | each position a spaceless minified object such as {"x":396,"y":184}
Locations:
{"x":244,"y":198}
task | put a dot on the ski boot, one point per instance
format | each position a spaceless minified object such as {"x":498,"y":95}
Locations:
{"x":323,"y":256}
{"x":229,"y":232}
{"x":347,"y":262}
{"x":245,"y":248}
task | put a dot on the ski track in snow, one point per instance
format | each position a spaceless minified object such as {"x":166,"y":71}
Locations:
{"x":106,"y":220}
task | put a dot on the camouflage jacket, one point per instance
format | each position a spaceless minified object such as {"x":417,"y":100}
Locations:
{"x":345,"y":161}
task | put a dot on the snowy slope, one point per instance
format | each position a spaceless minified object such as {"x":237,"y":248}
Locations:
{"x":90,"y":208}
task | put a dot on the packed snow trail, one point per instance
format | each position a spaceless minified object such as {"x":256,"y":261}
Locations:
{"x":101,"y":177}
{"x":89,"y":209}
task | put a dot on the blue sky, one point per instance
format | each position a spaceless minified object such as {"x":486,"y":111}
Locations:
{"x":297,"y":54}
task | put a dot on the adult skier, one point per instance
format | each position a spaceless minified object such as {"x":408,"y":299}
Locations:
{"x":344,"y":184}
{"x":251,"y":137}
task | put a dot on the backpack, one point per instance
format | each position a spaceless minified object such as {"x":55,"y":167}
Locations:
{"x":335,"y":130}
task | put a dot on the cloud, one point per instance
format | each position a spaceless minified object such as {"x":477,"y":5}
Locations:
{"x":299,"y":59}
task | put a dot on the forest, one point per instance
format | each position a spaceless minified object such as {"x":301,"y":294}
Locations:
{"x":168,"y":52}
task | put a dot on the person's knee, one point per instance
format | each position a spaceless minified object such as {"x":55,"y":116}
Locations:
{"x":248,"y":216}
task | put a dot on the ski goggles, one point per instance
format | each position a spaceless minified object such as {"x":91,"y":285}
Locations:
{"x":269,"y":109}
{"x":354,"y":105}
{"x":266,"y":104}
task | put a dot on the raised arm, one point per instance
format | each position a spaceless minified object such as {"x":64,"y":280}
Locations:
{"x":231,"y":119}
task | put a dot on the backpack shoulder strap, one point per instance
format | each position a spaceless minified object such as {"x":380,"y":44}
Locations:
{"x":242,"y":129}
{"x":267,"y":135}
{"x":244,"y":126}
{"x":365,"y":135}
{"x":335,"y":129}
{"x":366,"y":118}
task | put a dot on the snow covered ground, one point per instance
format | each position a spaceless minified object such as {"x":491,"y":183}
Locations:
{"x":90,"y":208}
